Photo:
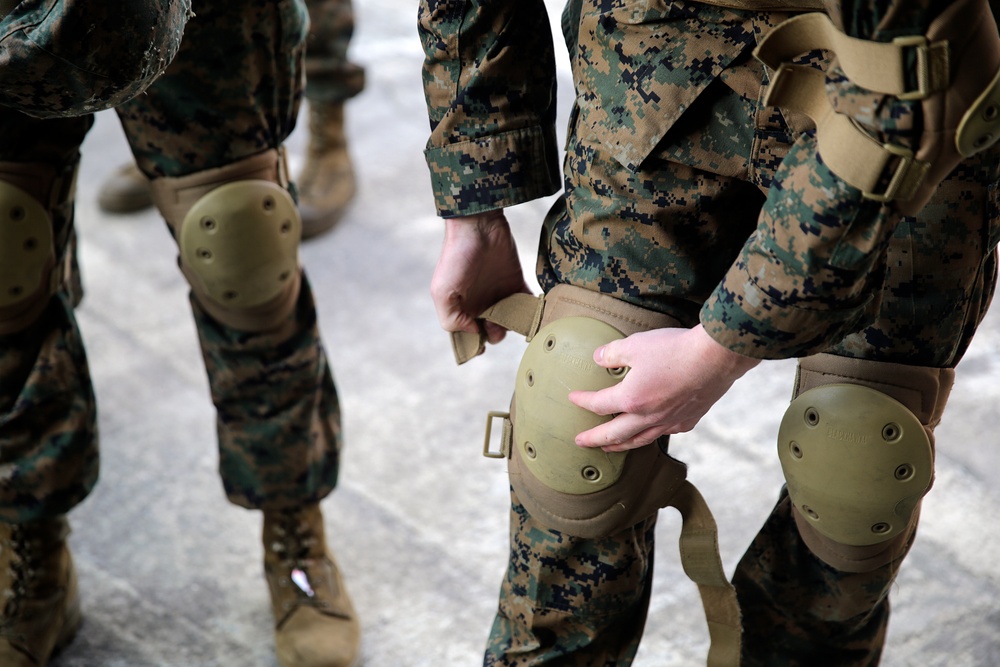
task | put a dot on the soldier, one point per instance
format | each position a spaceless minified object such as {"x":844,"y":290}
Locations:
{"x":208,"y":128}
{"x":326,"y":183}
{"x":716,"y":212}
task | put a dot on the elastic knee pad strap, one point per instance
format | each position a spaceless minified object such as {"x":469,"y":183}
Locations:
{"x":27,"y":256}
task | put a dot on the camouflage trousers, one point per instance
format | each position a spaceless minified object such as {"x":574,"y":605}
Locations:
{"x":662,"y":235}
{"x":330,"y":75}
{"x":232,"y":92}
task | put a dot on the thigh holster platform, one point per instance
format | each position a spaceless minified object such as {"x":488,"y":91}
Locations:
{"x":238,"y":232}
{"x":953,"y":71}
{"x":30,"y":272}
{"x":856,"y":448}
{"x":585,"y":491}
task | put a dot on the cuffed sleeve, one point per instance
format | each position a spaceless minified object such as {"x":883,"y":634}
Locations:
{"x":489,"y":81}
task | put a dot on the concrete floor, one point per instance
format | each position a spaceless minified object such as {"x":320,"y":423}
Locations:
{"x":171,"y":573}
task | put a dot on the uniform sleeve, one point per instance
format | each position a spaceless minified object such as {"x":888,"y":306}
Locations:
{"x":489,"y":81}
{"x":813,"y":271}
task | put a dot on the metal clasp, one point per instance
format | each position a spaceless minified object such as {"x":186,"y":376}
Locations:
{"x":907,"y":176}
{"x":505,"y":435}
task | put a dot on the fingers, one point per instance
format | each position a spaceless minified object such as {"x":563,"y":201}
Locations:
{"x":622,"y":433}
{"x":603,"y":402}
{"x":451,"y":315}
{"x":494,"y":332}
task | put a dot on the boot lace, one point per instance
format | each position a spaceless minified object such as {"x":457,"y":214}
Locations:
{"x":22,"y":563}
{"x":300,"y":571}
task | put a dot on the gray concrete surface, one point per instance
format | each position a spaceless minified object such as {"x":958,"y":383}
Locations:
{"x":171,"y":573}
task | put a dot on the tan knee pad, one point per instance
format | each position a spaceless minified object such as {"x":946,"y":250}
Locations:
{"x":581,"y":491}
{"x":238,"y":233}
{"x":30,"y":272}
{"x":856,"y":448}
{"x":586,"y":492}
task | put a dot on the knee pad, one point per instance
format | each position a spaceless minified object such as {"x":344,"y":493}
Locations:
{"x":587,"y":492}
{"x":581,"y":491}
{"x":29,"y":271}
{"x":856,"y":449}
{"x":238,"y":232}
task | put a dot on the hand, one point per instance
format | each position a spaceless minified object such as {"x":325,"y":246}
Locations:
{"x":477,"y":267}
{"x":675,"y":376}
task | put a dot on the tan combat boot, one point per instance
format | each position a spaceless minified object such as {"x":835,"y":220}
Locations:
{"x":40,"y":611}
{"x":315,"y":622}
{"x":326,"y":183}
{"x":125,"y":191}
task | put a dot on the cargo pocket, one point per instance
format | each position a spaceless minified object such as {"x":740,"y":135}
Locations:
{"x":640,"y":65}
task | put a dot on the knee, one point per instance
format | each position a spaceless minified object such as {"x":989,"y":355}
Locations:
{"x":238,"y":232}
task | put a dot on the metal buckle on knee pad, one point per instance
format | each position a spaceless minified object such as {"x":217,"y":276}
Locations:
{"x":239,"y":248}
{"x":857,"y":462}
{"x":27,"y":257}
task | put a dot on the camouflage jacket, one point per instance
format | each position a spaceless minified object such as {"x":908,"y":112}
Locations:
{"x":808,"y":269}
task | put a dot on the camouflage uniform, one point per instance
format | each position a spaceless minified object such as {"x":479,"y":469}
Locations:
{"x":278,"y":412}
{"x":330,"y":76}
{"x":684,"y":194}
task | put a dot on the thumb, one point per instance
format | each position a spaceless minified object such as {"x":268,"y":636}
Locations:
{"x":612,"y":355}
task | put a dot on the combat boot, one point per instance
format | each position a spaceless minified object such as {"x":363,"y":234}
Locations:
{"x":327,"y":183}
{"x":40,"y":601}
{"x":125,"y":191}
{"x":315,"y":622}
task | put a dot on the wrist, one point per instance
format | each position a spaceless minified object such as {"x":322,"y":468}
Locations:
{"x":721,"y":357}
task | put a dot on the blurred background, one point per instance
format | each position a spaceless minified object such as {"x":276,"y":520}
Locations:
{"x":171,"y":573}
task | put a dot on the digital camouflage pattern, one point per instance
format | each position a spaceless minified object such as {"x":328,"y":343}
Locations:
{"x":278,"y":413}
{"x":684,"y":194}
{"x":232,"y":91}
{"x":798,"y":611}
{"x":122,"y":46}
{"x":330,"y":74}
{"x":571,"y":601}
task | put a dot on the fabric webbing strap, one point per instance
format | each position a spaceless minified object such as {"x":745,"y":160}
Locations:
{"x":878,"y":66}
{"x":517,"y":312}
{"x":699,"y":538}
{"x":882,"y":172}
{"x":699,"y":547}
